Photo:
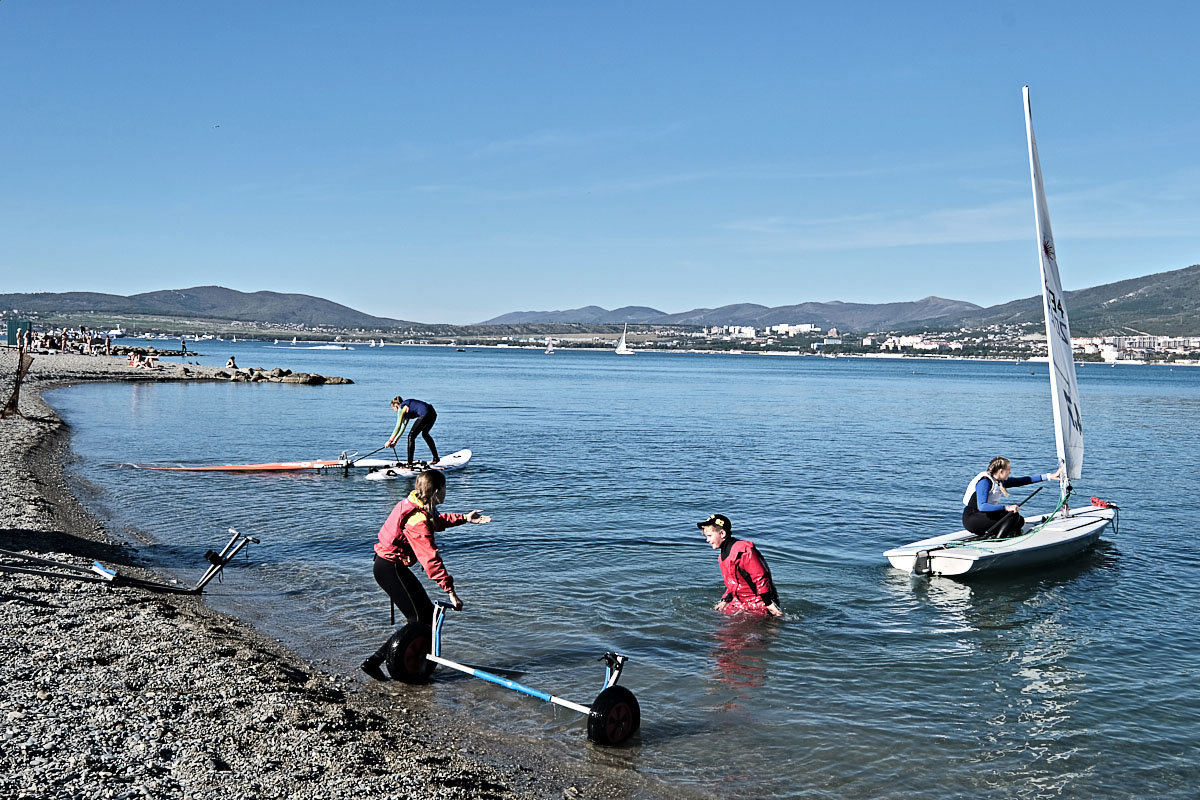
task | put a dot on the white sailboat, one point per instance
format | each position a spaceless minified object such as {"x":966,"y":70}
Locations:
{"x":549,"y":347}
{"x":622,"y":348}
{"x":1065,"y":532}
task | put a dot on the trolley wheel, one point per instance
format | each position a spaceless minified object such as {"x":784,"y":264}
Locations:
{"x":406,"y":654}
{"x":615,"y":716}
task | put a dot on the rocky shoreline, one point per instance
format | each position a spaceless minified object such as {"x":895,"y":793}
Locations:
{"x":120,"y":692}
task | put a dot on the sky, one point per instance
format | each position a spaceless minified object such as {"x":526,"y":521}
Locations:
{"x":451,"y":162}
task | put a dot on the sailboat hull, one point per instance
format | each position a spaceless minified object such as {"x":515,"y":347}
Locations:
{"x":962,"y":553}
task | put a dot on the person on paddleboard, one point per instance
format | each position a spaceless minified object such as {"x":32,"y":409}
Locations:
{"x":987,"y":513}
{"x":748,"y":583}
{"x":422,"y":417}
{"x":406,"y":538}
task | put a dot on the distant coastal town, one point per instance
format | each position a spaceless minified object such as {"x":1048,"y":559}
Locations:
{"x":1017,"y":341}
{"x":1006,"y":341}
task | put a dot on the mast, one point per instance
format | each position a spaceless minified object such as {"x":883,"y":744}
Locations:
{"x":1064,"y":389}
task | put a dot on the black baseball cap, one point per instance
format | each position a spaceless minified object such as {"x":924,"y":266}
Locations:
{"x":717,"y":520}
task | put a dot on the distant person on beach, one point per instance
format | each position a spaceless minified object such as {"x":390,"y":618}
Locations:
{"x":987,"y":514}
{"x":422,"y":417}
{"x":407,"y":538}
{"x":182,"y":346}
{"x":748,"y":583}
{"x":20,"y":343}
{"x":231,"y":364}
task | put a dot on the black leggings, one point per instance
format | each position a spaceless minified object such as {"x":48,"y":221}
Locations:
{"x":406,"y":592}
{"x":981,"y":522}
{"x":422,"y":426}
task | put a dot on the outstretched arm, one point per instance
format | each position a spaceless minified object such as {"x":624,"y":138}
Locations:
{"x":401,"y":424}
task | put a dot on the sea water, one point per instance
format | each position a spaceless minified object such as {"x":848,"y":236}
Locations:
{"x":1078,"y":680}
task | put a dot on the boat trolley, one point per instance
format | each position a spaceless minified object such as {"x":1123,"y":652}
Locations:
{"x":415,"y":651}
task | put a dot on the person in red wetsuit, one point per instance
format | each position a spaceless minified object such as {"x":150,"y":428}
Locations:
{"x":407,"y":538}
{"x":748,"y":584}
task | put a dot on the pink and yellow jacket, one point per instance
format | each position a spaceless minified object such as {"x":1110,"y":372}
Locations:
{"x":407,"y":537}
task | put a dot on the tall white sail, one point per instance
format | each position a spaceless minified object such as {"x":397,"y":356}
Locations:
{"x":622,"y":348}
{"x":1068,"y":425}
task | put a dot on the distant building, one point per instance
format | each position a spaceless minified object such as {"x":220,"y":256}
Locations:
{"x":792,"y":330}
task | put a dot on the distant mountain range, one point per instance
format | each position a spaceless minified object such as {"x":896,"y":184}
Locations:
{"x":1167,"y":303}
{"x":206,"y":302}
{"x":856,"y":316}
{"x":1164,"y":303}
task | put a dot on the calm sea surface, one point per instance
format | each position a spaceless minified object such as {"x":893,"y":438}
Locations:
{"x":1078,"y":681}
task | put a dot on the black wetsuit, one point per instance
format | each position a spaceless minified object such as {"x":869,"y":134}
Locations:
{"x":423,"y":416}
{"x":984,"y":523}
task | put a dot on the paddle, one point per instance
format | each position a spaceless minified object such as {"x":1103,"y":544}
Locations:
{"x":1003,"y":520}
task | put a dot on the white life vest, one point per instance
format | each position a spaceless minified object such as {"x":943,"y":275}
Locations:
{"x":995,"y":496}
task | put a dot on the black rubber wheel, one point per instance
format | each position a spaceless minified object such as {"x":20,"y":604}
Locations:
{"x":406,"y":654}
{"x":615,"y":716}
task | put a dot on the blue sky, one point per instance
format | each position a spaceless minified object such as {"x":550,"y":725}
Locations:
{"x":455,"y":161}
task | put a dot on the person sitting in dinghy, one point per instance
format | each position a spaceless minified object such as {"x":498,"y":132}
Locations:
{"x":407,"y":538}
{"x":988,"y":514}
{"x":423,"y":416}
{"x":748,"y":584}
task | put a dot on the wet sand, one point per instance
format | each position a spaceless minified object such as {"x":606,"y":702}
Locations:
{"x":120,"y":692}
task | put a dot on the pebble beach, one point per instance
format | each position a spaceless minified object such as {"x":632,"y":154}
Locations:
{"x":120,"y":692}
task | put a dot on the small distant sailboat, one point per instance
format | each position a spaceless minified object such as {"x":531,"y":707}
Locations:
{"x":235,"y":340}
{"x":549,"y":347}
{"x":1064,"y":532}
{"x":293,"y":340}
{"x":622,"y":348}
{"x":276,"y":341}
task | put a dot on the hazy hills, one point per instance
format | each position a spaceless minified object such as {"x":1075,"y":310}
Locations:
{"x":856,"y":316}
{"x":1166,"y":303}
{"x":206,"y":302}
{"x":588,"y":315}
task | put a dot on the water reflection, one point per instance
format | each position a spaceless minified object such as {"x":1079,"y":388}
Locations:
{"x":740,"y":645}
{"x":1021,"y":637}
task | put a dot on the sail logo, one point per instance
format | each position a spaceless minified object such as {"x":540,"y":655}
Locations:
{"x":1048,"y":249}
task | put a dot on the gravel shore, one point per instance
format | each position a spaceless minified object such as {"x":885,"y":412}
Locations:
{"x":117,"y":692}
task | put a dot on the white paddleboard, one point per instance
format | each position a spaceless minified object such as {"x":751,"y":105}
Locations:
{"x":393,"y":470}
